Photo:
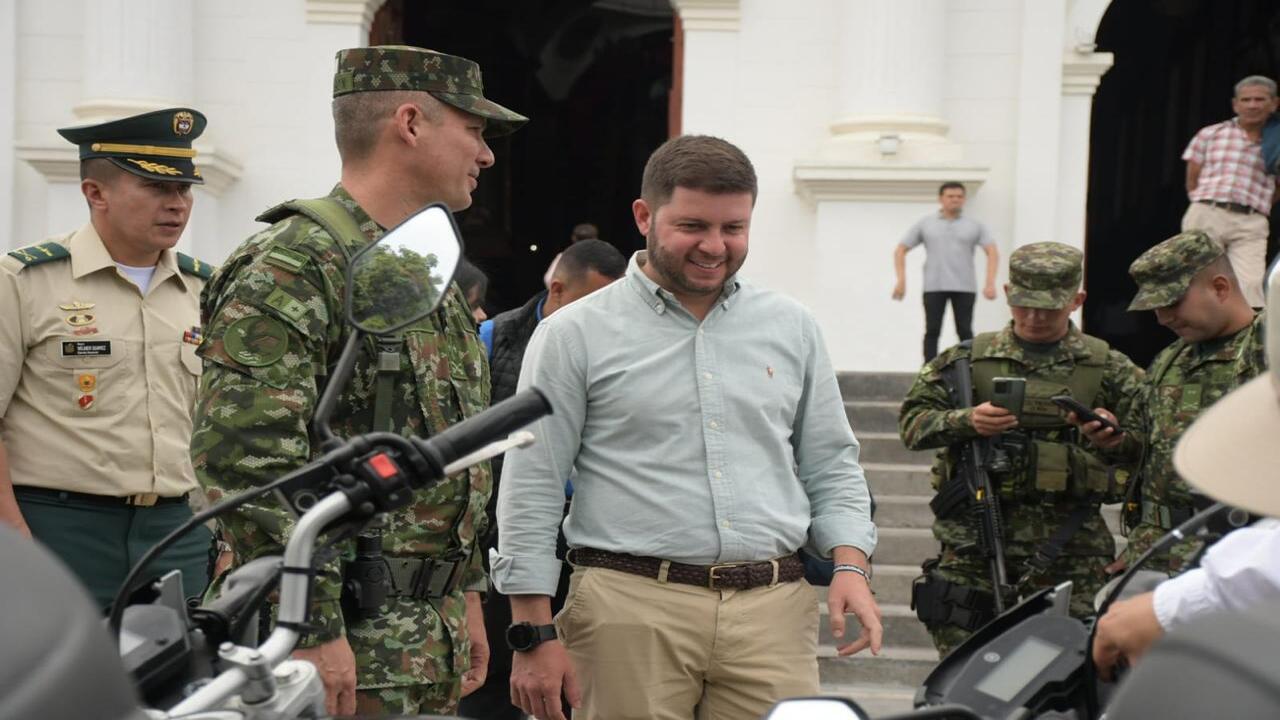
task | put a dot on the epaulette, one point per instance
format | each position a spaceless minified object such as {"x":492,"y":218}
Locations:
{"x":192,"y":266}
{"x":40,"y":253}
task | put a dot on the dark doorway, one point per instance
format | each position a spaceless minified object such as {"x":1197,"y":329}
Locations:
{"x":1176,"y":63}
{"x":594,"y":79}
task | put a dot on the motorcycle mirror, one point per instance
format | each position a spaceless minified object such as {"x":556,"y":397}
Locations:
{"x":817,"y":708}
{"x":392,"y":283}
{"x":402,"y":276}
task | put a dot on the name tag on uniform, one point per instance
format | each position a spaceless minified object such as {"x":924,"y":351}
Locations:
{"x":86,"y":348}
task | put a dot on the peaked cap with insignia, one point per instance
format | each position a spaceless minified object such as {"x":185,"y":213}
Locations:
{"x":450,"y":79}
{"x":154,"y":145}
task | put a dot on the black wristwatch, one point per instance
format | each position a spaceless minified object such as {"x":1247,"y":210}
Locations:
{"x":525,"y":636}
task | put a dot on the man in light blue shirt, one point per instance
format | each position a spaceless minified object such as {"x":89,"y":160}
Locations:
{"x":704,"y":420}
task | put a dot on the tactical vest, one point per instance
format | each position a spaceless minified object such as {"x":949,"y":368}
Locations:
{"x":1045,"y":460}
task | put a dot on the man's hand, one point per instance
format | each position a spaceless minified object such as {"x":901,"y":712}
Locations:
{"x":989,"y":292}
{"x":537,"y":677}
{"x":990,"y":420}
{"x":1125,"y":633}
{"x":1100,"y":435}
{"x":17,"y":522}
{"x":850,"y":593}
{"x":337,"y":666}
{"x":474,"y":678}
{"x":899,"y":290}
{"x":1117,"y":566}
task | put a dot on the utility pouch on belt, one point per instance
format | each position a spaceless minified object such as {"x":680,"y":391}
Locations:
{"x":365,"y":580}
{"x":1051,"y":466}
{"x":942,"y":602}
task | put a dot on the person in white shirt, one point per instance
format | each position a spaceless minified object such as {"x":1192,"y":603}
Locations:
{"x":1230,"y":453}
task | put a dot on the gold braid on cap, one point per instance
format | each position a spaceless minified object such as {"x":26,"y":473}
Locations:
{"x":155,"y":150}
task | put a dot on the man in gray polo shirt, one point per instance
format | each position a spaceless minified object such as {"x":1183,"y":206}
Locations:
{"x":949,"y":240}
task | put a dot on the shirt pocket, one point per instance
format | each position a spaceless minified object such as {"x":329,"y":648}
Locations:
{"x":90,"y":376}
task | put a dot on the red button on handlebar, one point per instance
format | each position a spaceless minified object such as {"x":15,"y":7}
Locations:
{"x":384,"y":466}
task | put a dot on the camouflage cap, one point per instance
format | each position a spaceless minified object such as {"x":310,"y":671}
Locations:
{"x":1164,"y":272}
{"x":1044,"y":275}
{"x":450,"y":79}
{"x":154,"y":145}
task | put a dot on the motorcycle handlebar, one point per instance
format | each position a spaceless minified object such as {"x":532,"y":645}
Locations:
{"x":479,"y":430}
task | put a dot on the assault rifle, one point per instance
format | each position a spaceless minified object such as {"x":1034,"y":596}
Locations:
{"x":985,"y":502}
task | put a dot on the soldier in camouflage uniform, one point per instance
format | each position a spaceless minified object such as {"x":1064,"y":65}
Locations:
{"x":1188,"y":281}
{"x":1049,"y":480}
{"x":274,"y":326}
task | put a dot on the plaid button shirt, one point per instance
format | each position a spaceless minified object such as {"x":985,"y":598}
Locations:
{"x":1231,"y":167}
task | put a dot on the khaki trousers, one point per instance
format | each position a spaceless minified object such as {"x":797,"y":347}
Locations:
{"x":1245,"y":240}
{"x":644,"y":649}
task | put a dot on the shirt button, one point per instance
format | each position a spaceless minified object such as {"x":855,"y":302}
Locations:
{"x":713,"y":425}
{"x":726,"y":524}
{"x":706,"y":376}
{"x":719,"y":474}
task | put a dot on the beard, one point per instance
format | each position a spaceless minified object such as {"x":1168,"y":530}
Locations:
{"x":671,"y":268}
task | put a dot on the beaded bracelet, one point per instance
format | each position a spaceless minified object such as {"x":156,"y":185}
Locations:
{"x":853,"y":569}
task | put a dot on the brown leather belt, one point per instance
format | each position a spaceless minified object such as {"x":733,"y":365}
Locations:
{"x":139,"y":500}
{"x":737,"y":576}
{"x":1231,"y":207}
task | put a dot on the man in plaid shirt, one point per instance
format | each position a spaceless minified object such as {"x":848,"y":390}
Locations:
{"x":1230,"y":191}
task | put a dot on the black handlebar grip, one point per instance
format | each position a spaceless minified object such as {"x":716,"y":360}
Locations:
{"x":493,"y":424}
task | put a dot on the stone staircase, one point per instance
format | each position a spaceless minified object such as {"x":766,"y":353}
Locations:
{"x":899,"y":479}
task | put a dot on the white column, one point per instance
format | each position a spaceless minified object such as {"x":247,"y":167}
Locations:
{"x":1081,"y":73}
{"x":711,"y":46}
{"x":8,"y":117}
{"x":891,"y":68}
{"x":1036,"y":176}
{"x":137,"y":57}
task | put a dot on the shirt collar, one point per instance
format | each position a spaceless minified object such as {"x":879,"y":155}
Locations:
{"x":657,"y":297}
{"x":89,"y":255}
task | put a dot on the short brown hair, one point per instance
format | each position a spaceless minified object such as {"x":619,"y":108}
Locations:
{"x":696,"y":162}
{"x":100,"y":169}
{"x":358,"y":117}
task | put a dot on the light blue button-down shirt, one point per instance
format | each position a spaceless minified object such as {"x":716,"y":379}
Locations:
{"x":701,"y":442}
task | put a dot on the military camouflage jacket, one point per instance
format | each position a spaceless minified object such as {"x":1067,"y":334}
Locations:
{"x":1183,"y":381}
{"x":929,"y":419}
{"x":274,"y":324}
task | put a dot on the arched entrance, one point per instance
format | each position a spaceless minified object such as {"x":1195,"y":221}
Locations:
{"x":594,"y":77}
{"x":1176,"y":62}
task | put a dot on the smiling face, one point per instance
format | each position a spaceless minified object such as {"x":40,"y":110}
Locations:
{"x":138,"y":217}
{"x":695,"y":242}
{"x":1200,"y":314}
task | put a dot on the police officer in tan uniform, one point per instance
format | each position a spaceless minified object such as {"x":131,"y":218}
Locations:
{"x":98,"y":371}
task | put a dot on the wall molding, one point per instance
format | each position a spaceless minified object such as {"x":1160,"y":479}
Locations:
{"x":709,"y":15}
{"x":819,"y":182}
{"x":343,"y":12}
{"x":1081,"y":72}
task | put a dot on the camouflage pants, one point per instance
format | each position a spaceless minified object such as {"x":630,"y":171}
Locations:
{"x":1179,"y":557}
{"x":1086,"y":572}
{"x":439,"y":699}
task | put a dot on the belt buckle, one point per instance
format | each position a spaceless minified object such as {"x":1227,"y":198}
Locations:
{"x":142,"y":500}
{"x":712,"y":578}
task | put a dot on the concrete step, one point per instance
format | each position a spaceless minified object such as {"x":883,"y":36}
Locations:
{"x":895,"y":666}
{"x":901,"y":627}
{"x":905,"y":546}
{"x":892,"y":583}
{"x":898,"y":478}
{"x":887,"y":447}
{"x":872,"y":415}
{"x":903,"y":511}
{"x":875,"y":386}
{"x":876,"y":700}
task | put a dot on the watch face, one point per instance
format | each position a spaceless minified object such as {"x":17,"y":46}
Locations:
{"x":520,"y":637}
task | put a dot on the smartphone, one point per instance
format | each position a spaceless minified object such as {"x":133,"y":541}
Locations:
{"x":1084,"y":414}
{"x":1009,"y":393}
